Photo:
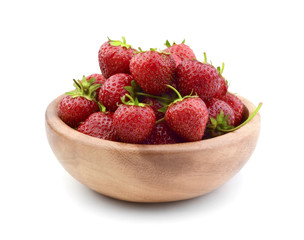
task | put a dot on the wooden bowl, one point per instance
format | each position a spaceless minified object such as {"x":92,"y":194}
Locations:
{"x":151,"y":173}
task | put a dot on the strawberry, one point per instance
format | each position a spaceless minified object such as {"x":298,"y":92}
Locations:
{"x":152,"y":71}
{"x":236,"y":104}
{"x":179,"y":51}
{"x":223,"y":84}
{"x":133,"y":121}
{"x":113,"y":89}
{"x":100,"y":125}
{"x":220,"y":108}
{"x":197,"y":77}
{"x":187,"y":117}
{"x":99,"y":79}
{"x":155,"y":105}
{"x":80,"y":103}
{"x":223,"y":88}
{"x":114,"y":57}
{"x":162,"y":134}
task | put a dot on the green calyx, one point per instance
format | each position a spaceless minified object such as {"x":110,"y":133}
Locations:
{"x":133,"y":89}
{"x":132,"y":101}
{"x":117,"y":43}
{"x":221,"y":69}
{"x":136,"y":92}
{"x":245,"y":122}
{"x":152,"y":50}
{"x":220,"y":123}
{"x":168,"y":44}
{"x":178,"y":99}
{"x":84,"y":88}
{"x":205,"y":60}
{"x":102,"y":107}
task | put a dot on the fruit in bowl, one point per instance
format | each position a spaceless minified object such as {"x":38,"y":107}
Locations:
{"x":161,"y":130}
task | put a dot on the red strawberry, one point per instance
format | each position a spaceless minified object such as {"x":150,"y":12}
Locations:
{"x":162,"y":134}
{"x":223,"y":88}
{"x":79,"y":104}
{"x":216,"y":106}
{"x":197,"y":78}
{"x":133,"y":122}
{"x":113,"y":89}
{"x":187,"y":117}
{"x":114,"y":57}
{"x":100,"y":125}
{"x":153,"y":71}
{"x":179,"y":51}
{"x":223,"y":84}
{"x":155,"y":105}
{"x":99,"y":78}
{"x":236,"y":104}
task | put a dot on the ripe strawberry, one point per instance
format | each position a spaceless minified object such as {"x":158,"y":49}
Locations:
{"x":114,"y":57}
{"x":99,"y":79}
{"x":197,"y":78}
{"x":133,"y":121}
{"x":113,"y":89}
{"x":162,"y":134}
{"x":78,"y":104}
{"x":153,"y":71}
{"x":216,"y":106}
{"x":179,"y":51}
{"x":223,"y":84}
{"x":236,"y":104}
{"x":155,"y":105}
{"x":100,"y":125}
{"x":223,"y":88}
{"x":187,"y":117}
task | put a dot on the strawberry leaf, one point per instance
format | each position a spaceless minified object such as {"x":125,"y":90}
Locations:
{"x":167,"y":44}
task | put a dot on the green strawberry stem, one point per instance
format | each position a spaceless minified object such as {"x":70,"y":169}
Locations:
{"x":177,"y":93}
{"x":221,"y":69}
{"x":102,"y":108}
{"x":152,"y":96}
{"x":205,"y":57}
{"x":160,"y":120}
{"x":132,"y":101}
{"x":245,"y":122}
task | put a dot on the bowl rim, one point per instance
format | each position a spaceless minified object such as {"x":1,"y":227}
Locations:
{"x":54,"y":122}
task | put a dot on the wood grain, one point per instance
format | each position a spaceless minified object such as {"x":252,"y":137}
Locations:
{"x":151,"y":173}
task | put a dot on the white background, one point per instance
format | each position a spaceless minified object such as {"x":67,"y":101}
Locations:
{"x":44,"y":45}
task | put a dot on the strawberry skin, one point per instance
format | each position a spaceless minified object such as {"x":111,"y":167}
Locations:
{"x":197,"y":78}
{"x":100,"y":125}
{"x":114,"y":59}
{"x":180,"y":52}
{"x":236,"y":104}
{"x":215,"y":106}
{"x":100,"y":79}
{"x":153,"y":71}
{"x":113,"y":89}
{"x":188,"y":118}
{"x":133,"y":124}
{"x":74,"y":110}
{"x":223,"y":88}
{"x":162,"y":134}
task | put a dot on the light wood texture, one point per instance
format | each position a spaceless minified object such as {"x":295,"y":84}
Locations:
{"x":151,"y":173}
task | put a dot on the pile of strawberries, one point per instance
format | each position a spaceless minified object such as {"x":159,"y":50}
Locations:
{"x":152,"y":97}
